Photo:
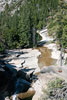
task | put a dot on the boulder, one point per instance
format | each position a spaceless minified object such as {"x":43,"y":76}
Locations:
{"x":22,"y":85}
{"x":24,"y":75}
{"x":14,"y":82}
{"x":24,"y":96}
{"x":7,"y":81}
{"x":27,"y":94}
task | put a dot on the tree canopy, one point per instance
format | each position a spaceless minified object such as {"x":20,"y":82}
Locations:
{"x":17,"y":29}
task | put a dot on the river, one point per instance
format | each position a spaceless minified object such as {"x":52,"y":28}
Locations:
{"x":45,"y":58}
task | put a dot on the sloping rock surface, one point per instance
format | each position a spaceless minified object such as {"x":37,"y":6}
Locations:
{"x":14,"y":82}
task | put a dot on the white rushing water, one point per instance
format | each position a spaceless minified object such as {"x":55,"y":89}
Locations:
{"x":44,"y":35}
{"x":14,"y":97}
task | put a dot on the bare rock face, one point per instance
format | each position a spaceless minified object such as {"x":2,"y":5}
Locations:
{"x":20,"y":96}
{"x":3,"y":3}
{"x":65,"y":1}
{"x":9,"y":2}
{"x":27,"y":94}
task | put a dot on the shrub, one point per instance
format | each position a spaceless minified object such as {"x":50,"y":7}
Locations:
{"x":2,"y":48}
{"x":54,"y":89}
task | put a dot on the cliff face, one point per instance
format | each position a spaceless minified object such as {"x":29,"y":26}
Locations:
{"x":3,"y":3}
{"x":9,"y":2}
{"x":65,"y":1}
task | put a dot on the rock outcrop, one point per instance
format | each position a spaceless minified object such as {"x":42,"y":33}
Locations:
{"x":14,"y":83}
{"x":10,"y":3}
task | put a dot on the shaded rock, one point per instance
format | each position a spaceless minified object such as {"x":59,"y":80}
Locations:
{"x":7,"y":81}
{"x":27,"y":94}
{"x":2,"y":97}
{"x":14,"y":82}
{"x":24,"y":96}
{"x":24,"y":75}
{"x":22,"y":85}
{"x":4,"y":80}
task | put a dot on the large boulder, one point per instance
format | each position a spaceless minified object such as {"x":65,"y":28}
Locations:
{"x":7,"y":81}
{"x":24,"y":96}
{"x":22,"y":85}
{"x":26,"y":76}
{"x":29,"y":93}
{"x":14,"y":82}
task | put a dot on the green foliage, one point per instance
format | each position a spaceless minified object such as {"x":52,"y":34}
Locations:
{"x":17,"y":29}
{"x":2,"y":48}
{"x":58,"y":25}
{"x":52,"y":86}
{"x":56,"y":83}
{"x":64,"y":36}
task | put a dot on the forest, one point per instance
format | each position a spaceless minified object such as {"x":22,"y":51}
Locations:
{"x":17,"y":29}
{"x":33,"y":49}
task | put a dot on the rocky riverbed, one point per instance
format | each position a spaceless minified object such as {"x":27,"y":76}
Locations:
{"x":40,"y":61}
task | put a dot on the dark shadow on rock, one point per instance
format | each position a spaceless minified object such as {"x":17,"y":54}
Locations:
{"x":12,"y":52}
{"x":22,"y":85}
{"x":30,"y":98}
{"x":16,"y":58}
{"x":21,"y":57}
{"x":27,"y":70}
{"x":13,"y":81}
{"x":2,"y":56}
{"x":28,"y":77}
{"x":47,"y":70}
{"x":41,"y":43}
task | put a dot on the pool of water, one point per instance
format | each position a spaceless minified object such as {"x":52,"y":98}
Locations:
{"x":45,"y":58}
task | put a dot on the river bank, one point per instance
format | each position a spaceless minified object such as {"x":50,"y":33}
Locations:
{"x":31,"y":60}
{"x":49,"y":62}
{"x":55,"y":53}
